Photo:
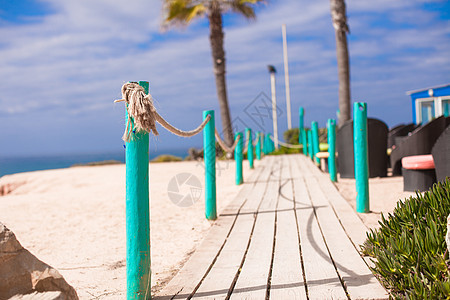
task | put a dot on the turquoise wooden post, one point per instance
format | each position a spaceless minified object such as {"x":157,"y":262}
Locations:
{"x":266,"y":144}
{"x":361,"y":156}
{"x":239,"y":157}
{"x":209,"y":150}
{"x":301,"y":114}
{"x":331,"y":127}
{"x":138,"y":213}
{"x":310,"y":145}
{"x":315,"y":141}
{"x":270,"y":143}
{"x":250,"y":157}
{"x":305,"y":142}
{"x":258,"y":145}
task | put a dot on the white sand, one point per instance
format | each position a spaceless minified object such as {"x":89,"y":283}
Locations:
{"x":74,"y":220}
{"x":384,"y":194}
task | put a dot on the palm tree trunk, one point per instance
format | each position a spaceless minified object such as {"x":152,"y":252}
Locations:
{"x":339,"y":17}
{"x":218,"y":55}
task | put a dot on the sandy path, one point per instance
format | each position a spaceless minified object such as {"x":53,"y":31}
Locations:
{"x":74,"y":220}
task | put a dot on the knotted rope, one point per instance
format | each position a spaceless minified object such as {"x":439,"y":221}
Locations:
{"x":143,"y":115}
{"x":287,"y":145}
{"x":223,"y":145}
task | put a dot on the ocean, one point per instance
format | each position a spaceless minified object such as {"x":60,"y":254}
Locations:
{"x":18,"y":164}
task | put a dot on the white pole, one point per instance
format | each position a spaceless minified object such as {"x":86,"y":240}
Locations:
{"x":274,"y":109}
{"x":286,"y":77}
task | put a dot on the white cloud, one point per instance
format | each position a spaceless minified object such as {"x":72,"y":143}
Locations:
{"x":73,"y":62}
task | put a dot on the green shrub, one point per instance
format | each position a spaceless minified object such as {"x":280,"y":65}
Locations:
{"x":291,"y":136}
{"x":166,"y":158}
{"x":283,"y":150}
{"x":409,"y":248}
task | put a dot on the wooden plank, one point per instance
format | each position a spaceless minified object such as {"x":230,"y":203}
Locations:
{"x":322,"y":280}
{"x":253,"y":278}
{"x":184,"y":283}
{"x":350,"y":221}
{"x":353,"y":225}
{"x":357,"y":277}
{"x":221,"y":276}
{"x":287,"y":274}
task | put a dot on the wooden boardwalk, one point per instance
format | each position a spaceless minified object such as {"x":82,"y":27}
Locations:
{"x":288,"y":234}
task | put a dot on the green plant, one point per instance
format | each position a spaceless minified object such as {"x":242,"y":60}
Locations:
{"x":291,"y":136}
{"x":283,"y":150}
{"x":409,"y":248}
{"x":166,"y":158}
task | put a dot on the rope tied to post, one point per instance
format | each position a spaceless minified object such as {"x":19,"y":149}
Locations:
{"x":223,"y":145}
{"x":287,"y":145}
{"x":255,"y":142}
{"x":143,"y":115}
{"x":247,"y":138}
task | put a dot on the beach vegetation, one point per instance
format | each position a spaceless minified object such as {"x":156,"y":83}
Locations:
{"x":98,"y":163}
{"x":409,"y":249}
{"x":291,"y":136}
{"x":166,"y":158}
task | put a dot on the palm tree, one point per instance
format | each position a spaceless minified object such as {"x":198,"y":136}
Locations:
{"x":182,"y":12}
{"x":339,"y":17}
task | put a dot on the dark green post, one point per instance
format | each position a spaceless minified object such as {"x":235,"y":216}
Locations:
{"x":258,"y":145}
{"x":248,"y":133}
{"x":331,"y":127}
{"x":315,"y":141}
{"x":209,"y":156}
{"x":301,"y":114}
{"x":361,"y":156}
{"x":138,"y":213}
{"x":239,"y":157}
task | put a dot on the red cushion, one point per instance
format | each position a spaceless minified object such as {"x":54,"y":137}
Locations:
{"x":418,"y":162}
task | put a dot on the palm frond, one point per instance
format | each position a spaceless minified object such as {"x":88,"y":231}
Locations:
{"x":182,"y":11}
{"x":244,"y":7}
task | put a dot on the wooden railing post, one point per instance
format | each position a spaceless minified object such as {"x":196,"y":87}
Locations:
{"x":258,"y":145}
{"x":238,"y":157}
{"x":361,"y":156}
{"x":209,"y":156}
{"x":138,"y":213}
{"x":331,"y":126}
{"x":315,"y":141}
{"x":248,"y":133}
{"x":301,"y":114}
{"x":310,"y":145}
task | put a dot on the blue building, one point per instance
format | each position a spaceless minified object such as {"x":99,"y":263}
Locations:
{"x":430,"y":103}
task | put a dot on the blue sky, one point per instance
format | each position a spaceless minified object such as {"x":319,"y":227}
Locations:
{"x":62,"y":64}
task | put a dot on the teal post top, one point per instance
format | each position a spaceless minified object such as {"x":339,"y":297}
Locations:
{"x":305,"y":141}
{"x":301,"y":114}
{"x":361,"y":157}
{"x":250,"y":157}
{"x":138,"y":213}
{"x":258,"y":145}
{"x":239,"y":157}
{"x":209,"y":154}
{"x":331,"y":127}
{"x":315,"y":141}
